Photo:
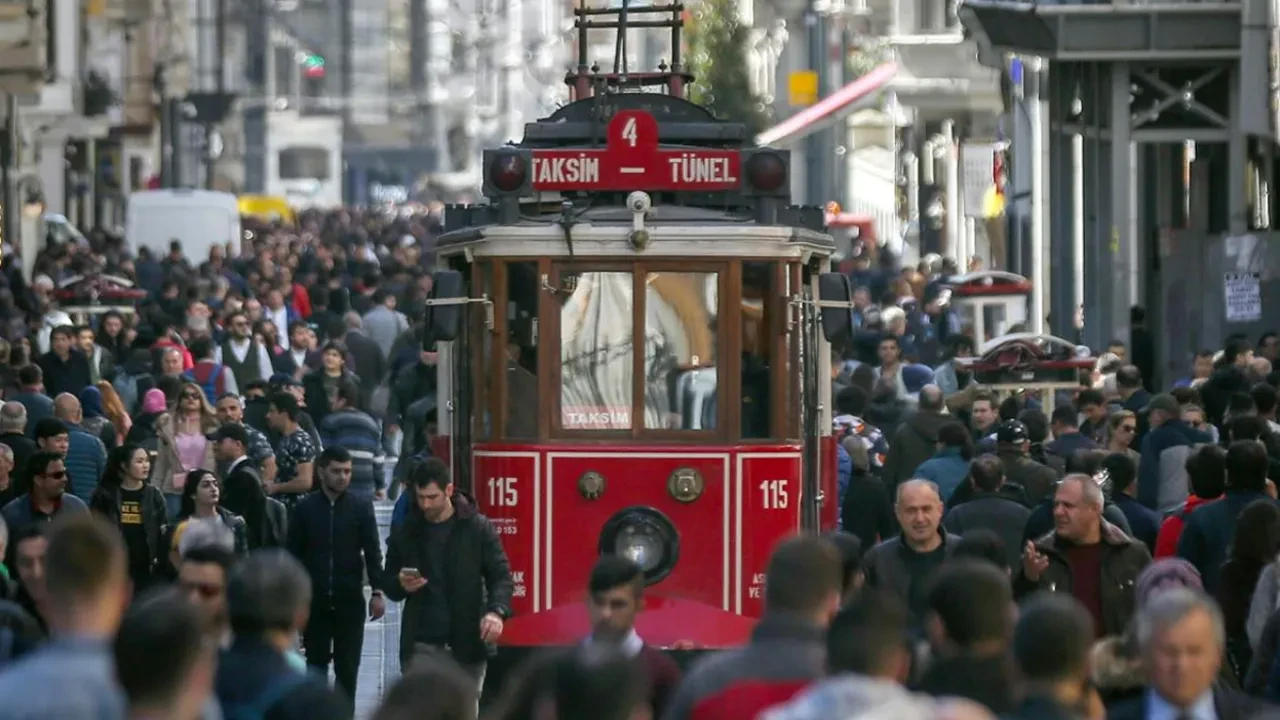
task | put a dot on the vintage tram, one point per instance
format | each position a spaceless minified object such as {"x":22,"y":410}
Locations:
{"x":631,"y":338}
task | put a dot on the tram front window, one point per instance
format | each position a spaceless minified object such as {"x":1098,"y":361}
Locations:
{"x":596,"y":350}
{"x":680,"y":384}
{"x":522,"y":350}
{"x":758,"y":323}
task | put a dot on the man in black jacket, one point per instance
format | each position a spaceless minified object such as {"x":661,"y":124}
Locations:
{"x":990,"y":508}
{"x":335,"y":536}
{"x":447,"y":561}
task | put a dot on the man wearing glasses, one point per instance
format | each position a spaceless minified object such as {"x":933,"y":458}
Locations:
{"x":249,"y":361}
{"x":48,"y":498}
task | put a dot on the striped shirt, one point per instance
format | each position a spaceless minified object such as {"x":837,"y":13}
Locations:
{"x":358,"y":433}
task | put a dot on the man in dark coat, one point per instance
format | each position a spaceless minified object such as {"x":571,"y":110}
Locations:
{"x":916,"y":439}
{"x":447,"y":562}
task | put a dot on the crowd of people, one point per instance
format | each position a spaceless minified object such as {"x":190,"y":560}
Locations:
{"x":189,"y":525}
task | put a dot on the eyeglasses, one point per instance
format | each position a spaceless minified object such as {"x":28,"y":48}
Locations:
{"x":190,"y":396}
{"x":55,"y":475}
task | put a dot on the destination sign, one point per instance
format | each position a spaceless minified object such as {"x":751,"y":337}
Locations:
{"x":633,"y":160}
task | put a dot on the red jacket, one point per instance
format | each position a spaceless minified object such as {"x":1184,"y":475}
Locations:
{"x":784,"y":656}
{"x":1171,"y":528}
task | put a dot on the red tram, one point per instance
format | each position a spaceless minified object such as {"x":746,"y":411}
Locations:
{"x":632,"y":334}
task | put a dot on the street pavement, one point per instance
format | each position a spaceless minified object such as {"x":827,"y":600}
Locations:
{"x":380,"y":661}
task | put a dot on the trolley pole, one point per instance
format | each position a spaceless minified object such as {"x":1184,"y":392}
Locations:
{"x":1038,"y":210}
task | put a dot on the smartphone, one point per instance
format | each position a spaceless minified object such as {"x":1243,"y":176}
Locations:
{"x":411,"y":571}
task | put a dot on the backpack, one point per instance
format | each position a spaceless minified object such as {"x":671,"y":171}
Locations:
{"x":273,"y":693}
{"x":211,"y":381}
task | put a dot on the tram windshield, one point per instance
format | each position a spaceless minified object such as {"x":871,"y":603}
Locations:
{"x":657,"y":349}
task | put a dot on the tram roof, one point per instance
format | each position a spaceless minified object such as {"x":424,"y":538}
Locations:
{"x":597,"y":231}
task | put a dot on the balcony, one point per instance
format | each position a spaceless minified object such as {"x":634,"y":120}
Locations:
{"x":1109,"y":30}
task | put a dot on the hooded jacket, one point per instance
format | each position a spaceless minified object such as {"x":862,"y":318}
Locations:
{"x":913,"y":444}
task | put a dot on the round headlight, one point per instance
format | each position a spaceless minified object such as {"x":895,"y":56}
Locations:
{"x":685,"y":484}
{"x":644,"y":536}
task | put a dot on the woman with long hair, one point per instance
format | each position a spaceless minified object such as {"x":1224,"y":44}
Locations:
{"x":183,"y":442}
{"x":1253,"y":547}
{"x":265,"y":518}
{"x":113,"y":409}
{"x":201,"y":500}
{"x":126,"y":499}
{"x":1122,"y":426}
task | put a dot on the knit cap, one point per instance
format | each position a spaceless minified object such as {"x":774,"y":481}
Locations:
{"x":1165,"y":574}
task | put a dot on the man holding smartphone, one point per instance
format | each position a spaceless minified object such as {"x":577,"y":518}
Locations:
{"x":446,"y":562}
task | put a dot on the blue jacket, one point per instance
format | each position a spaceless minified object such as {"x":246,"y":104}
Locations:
{"x":359,"y":434}
{"x":1209,"y":529}
{"x":946,"y":469}
{"x":86,"y":462}
{"x":1144,"y":521}
{"x":72,"y":678}
{"x":1162,"y":471}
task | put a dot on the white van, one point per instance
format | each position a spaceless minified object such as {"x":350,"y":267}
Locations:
{"x":199,"y":219}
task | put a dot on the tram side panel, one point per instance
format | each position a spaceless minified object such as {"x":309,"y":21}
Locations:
{"x":554,"y":526}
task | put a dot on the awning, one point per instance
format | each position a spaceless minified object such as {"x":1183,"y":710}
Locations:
{"x":829,"y":109}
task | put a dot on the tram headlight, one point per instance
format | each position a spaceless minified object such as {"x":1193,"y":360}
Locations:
{"x":644,"y":536}
{"x":766,"y":172}
{"x":507,"y":171}
{"x":685,"y":485}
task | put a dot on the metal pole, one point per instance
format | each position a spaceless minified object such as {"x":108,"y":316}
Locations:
{"x":817,"y":178}
{"x":955,"y":217}
{"x":166,"y":129}
{"x":11,"y":209}
{"x":1038,"y":198}
{"x":220,"y":52}
{"x":173,"y":109}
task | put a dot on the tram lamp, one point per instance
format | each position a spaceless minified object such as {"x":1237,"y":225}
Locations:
{"x":506,"y":173}
{"x":766,"y":172}
{"x":644,"y":536}
{"x":836,"y":297}
{"x":442,"y":316}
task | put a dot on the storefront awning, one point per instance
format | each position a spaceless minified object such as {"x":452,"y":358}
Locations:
{"x":830,"y":109}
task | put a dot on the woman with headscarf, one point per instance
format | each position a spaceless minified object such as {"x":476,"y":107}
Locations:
{"x":144,"y":430}
{"x":95,"y":421}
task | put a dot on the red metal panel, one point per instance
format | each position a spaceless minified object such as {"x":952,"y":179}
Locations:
{"x":637,"y":477}
{"x":767,"y":508}
{"x":830,"y":484}
{"x":508,"y":489}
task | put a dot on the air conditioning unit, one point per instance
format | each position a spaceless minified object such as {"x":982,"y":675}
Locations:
{"x":23,"y":41}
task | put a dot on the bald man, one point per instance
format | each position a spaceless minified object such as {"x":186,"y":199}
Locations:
{"x":86,"y":455}
{"x":902,"y":565}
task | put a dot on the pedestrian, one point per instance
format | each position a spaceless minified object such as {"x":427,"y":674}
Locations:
{"x":970,"y":628}
{"x":202,"y":502}
{"x":1254,"y":547}
{"x":295,"y":451}
{"x":230,"y":411}
{"x":949,"y":466}
{"x":1180,"y":633}
{"x":787,"y":650}
{"x":334,"y":534}
{"x":266,"y":519}
{"x":137,"y":509}
{"x":1013,"y":447}
{"x":1067,"y":438}
{"x":203,"y":572}
{"x":902,"y":565}
{"x":1086,"y":557}
{"x":990,"y":508}
{"x":1051,"y":645}
{"x":1207,"y":474}
{"x":1122,"y":474}
{"x":356,"y":431}
{"x":1207,"y":534}
{"x":87,"y":580}
{"x":164,"y":662}
{"x":615,"y":595}
{"x":447,"y":563}
{"x":48,"y":496}
{"x":1162,"y":482}
{"x":268,"y":598}
{"x":916,"y":441}
{"x":435,"y":690}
